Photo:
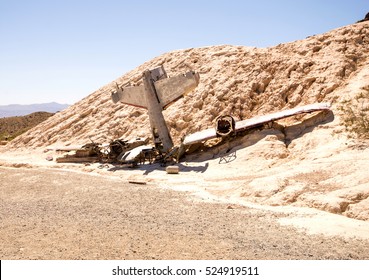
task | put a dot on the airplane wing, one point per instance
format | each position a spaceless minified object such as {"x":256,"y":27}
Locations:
{"x":171,"y":89}
{"x":256,"y":121}
{"x":199,"y":136}
{"x":210,"y":133}
{"x":134,"y":96}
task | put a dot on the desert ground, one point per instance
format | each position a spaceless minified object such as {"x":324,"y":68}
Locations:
{"x":105,"y":211}
{"x":61,"y":214}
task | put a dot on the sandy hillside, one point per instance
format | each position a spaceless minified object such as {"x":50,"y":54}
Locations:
{"x":242,"y":81}
{"x":304,"y":161}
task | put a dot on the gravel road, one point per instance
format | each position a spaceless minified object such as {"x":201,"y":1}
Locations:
{"x":54,"y":214}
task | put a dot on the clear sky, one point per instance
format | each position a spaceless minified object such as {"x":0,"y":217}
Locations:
{"x":63,"y":50}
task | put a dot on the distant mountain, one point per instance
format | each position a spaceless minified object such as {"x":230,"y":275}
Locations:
{"x":13,"y":110}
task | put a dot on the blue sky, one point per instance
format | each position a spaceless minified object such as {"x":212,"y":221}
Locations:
{"x":63,"y":50}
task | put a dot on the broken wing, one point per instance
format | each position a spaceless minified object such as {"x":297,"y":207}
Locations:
{"x":210,"y":133}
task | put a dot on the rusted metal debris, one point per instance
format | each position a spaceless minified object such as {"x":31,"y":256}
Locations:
{"x":75,"y":159}
{"x":95,"y":152}
{"x":224,"y":125}
{"x":132,"y":153}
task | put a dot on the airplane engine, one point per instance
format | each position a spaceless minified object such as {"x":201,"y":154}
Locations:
{"x":224,"y":125}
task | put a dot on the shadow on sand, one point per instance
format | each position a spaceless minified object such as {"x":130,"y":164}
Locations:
{"x":148,"y":168}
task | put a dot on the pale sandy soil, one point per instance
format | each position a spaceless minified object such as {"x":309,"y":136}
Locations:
{"x":59,"y":214}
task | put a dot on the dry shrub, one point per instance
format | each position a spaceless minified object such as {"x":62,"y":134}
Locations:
{"x":356,"y":114}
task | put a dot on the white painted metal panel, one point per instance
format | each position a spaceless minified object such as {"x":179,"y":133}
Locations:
{"x":255,"y":121}
{"x":171,"y":89}
{"x":200,"y":136}
{"x":134,"y":96}
{"x":210,"y":133}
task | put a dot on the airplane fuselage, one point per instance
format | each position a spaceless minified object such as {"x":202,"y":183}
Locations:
{"x":159,"y":129}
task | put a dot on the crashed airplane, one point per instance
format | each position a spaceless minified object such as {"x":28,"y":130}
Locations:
{"x":159,"y":91}
{"x":156,"y":94}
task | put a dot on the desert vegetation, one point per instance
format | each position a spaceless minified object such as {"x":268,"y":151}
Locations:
{"x":356,"y":114}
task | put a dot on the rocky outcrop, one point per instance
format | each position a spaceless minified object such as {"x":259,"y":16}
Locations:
{"x":366,"y":18}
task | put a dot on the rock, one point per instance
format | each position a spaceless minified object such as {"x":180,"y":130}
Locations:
{"x":49,"y":158}
{"x":365,"y":18}
{"x":172,"y":169}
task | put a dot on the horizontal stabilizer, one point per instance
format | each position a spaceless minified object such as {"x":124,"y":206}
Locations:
{"x":134,"y":96}
{"x":173,"y":88}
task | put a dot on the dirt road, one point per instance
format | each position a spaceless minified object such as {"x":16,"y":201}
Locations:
{"x":53,"y":214}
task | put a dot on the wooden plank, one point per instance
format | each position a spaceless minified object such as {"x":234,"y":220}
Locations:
{"x":74,"y":159}
{"x":137,"y":182}
{"x":66,"y":149}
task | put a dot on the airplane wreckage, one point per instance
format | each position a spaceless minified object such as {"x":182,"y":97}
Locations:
{"x":157,"y":92}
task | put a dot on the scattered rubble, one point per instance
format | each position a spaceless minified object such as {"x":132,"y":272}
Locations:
{"x":95,"y":152}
